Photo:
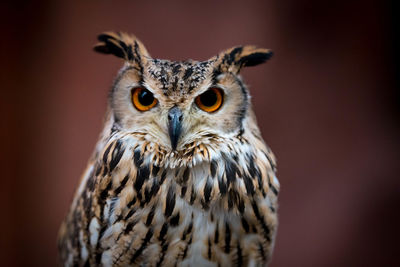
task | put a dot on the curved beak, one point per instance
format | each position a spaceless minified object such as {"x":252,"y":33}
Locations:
{"x":174,"y":125}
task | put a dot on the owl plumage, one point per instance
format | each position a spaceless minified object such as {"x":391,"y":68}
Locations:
{"x":173,"y":182}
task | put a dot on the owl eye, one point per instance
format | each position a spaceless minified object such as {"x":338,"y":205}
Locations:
{"x":143,"y":99}
{"x":210,"y":100}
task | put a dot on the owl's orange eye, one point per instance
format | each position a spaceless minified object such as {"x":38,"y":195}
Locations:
{"x":143,"y":99}
{"x":210,"y":100}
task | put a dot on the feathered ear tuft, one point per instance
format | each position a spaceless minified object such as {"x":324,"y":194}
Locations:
{"x":121,"y":45}
{"x":232,"y":60}
{"x":255,"y":57}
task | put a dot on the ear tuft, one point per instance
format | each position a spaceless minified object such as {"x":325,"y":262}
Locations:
{"x":109,"y":44}
{"x":121,"y":45}
{"x":256,"y":58}
{"x":232,"y":60}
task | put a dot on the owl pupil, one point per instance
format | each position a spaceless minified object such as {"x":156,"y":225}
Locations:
{"x":146,"y":98}
{"x":209,"y":98}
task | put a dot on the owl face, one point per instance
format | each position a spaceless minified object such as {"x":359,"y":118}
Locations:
{"x":176,"y":104}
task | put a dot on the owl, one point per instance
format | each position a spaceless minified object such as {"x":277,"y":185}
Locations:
{"x":180,"y":175}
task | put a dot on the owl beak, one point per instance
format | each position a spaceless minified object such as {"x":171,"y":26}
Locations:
{"x":174,"y":125}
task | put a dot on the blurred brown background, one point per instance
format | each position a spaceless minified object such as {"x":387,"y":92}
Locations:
{"x":326,"y":103}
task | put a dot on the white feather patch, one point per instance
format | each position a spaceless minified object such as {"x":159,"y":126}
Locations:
{"x":94,"y":228}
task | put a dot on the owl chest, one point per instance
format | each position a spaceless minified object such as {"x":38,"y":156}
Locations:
{"x":172,"y":227}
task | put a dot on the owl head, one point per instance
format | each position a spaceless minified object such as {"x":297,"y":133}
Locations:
{"x":180,"y":104}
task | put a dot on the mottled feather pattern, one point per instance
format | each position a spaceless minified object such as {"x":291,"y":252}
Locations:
{"x":210,"y":202}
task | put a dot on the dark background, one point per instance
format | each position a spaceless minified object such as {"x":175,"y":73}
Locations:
{"x":326,"y":104}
